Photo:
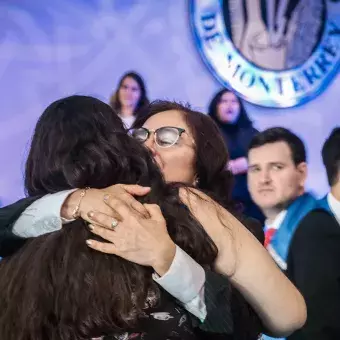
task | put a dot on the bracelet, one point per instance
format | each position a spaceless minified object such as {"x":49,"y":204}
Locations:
{"x":75,"y":213}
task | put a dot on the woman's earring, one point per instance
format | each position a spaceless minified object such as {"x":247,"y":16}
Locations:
{"x":196,"y":181}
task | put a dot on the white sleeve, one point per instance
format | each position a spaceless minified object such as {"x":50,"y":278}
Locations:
{"x":42,"y":216}
{"x":185,"y":281}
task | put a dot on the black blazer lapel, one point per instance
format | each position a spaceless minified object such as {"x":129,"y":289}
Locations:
{"x":9,"y":243}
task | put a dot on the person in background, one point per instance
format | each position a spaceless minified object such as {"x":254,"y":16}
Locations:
{"x":331,"y":161}
{"x":276,"y":180}
{"x":303,"y":241}
{"x":227,"y":110}
{"x":314,"y":266}
{"x":130,"y":98}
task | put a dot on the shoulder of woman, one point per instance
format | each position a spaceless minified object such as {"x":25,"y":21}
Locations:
{"x":194,"y":196}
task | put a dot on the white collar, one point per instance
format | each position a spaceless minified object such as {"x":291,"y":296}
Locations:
{"x":334,"y":205}
{"x":128,"y":121}
{"x":275,"y":224}
{"x":277,"y":220}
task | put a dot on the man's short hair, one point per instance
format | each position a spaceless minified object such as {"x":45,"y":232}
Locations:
{"x":331,"y":156}
{"x":279,"y":134}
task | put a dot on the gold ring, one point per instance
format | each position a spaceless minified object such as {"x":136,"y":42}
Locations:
{"x":114,"y":223}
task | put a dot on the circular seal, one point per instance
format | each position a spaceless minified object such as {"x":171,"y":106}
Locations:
{"x":273,"y":53}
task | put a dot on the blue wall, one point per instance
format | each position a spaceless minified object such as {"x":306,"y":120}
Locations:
{"x":51,"y":49}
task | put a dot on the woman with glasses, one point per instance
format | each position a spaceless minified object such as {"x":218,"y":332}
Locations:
{"x":188,"y":149}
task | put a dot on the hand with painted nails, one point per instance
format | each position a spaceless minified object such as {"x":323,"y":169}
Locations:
{"x":131,"y":236}
{"x":96,"y":200}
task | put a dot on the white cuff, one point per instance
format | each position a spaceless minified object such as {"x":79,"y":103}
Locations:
{"x":184,"y":279}
{"x":43,"y":216}
{"x":197,"y":306}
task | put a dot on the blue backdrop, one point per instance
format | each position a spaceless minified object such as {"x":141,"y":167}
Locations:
{"x":51,"y":49}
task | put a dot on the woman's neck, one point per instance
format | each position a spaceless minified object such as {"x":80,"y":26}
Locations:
{"x":126,"y":111}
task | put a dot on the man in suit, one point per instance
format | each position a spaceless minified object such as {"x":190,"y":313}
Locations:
{"x":276,"y":179}
{"x":301,"y":236}
{"x":315,"y":269}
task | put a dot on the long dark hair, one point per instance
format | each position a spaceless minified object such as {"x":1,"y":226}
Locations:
{"x":216,"y":181}
{"x":242,"y":120}
{"x":143,"y":101}
{"x":56,"y":287}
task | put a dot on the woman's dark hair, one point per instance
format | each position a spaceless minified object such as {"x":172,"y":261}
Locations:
{"x":143,"y":101}
{"x":216,"y":181}
{"x":243,"y":119}
{"x":56,"y":287}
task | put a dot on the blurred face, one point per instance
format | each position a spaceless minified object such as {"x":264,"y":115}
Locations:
{"x":273,"y":178}
{"x":129,"y":93}
{"x":228,"y":109}
{"x":177,"y":161}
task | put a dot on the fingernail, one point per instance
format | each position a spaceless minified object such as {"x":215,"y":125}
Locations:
{"x":88,"y":242}
{"x":106,"y":197}
{"x":90,"y":214}
{"x":91,"y":227}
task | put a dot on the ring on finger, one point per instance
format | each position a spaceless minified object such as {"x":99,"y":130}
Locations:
{"x":114,"y":223}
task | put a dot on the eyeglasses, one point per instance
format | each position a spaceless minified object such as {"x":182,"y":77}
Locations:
{"x":165,"y":136}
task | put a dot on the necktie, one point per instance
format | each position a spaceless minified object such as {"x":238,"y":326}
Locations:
{"x":269,"y":234}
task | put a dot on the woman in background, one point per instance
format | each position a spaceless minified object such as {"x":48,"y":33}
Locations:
{"x":227,"y":110}
{"x":130,"y":98}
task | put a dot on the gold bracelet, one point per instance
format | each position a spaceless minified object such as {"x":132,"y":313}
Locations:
{"x":75,"y":213}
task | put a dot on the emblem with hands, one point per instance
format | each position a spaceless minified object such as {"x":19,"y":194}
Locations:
{"x":266,"y":45}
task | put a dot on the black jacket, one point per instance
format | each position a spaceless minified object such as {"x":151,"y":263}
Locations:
{"x":313,"y":265}
{"x":10,"y":243}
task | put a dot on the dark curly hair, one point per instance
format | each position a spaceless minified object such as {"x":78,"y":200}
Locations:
{"x":55,"y":287}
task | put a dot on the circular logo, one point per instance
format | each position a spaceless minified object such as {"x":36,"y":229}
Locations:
{"x":274,"y":53}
